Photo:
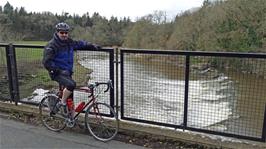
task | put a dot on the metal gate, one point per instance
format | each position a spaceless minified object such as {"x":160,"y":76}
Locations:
{"x":199,"y":91}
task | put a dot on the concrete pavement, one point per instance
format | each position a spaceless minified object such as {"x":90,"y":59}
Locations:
{"x":128,"y":127}
{"x":14,"y":134}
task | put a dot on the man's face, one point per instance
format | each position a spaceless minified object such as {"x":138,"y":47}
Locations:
{"x":63,"y":35}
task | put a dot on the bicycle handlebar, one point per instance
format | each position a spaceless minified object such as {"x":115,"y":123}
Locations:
{"x":108,"y":84}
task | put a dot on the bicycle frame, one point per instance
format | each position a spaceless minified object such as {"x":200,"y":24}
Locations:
{"x":91,"y":97}
{"x":91,"y":101}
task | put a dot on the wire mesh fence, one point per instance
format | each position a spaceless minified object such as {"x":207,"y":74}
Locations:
{"x":218,"y":93}
{"x":34,"y":80}
{"x":90,"y":67}
{"x":227,"y":95}
{"x":196,"y":91}
{"x":154,"y":87}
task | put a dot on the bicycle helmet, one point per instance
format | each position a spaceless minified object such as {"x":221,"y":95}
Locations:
{"x":62,"y":27}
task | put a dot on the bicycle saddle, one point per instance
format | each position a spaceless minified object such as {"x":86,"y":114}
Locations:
{"x":85,"y":89}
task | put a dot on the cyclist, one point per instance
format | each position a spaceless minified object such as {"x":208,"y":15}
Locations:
{"x":58,"y":58}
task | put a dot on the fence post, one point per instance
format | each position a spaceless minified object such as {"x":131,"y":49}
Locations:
{"x":116,"y":83}
{"x":9,"y":74}
{"x":13,"y":72}
{"x":186,"y":92}
{"x":121,"y":84}
{"x":264,"y":126}
{"x":111,"y":73}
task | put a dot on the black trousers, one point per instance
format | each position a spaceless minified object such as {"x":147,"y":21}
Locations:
{"x":66,"y":81}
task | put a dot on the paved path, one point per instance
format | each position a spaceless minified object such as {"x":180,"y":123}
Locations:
{"x":14,"y":134}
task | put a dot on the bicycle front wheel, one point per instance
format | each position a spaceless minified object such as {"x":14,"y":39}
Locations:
{"x":50,"y":116}
{"x":101,"y":121}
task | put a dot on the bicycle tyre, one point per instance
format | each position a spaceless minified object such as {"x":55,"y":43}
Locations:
{"x":101,"y":127}
{"x":54,"y":122}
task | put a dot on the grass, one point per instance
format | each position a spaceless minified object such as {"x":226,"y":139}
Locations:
{"x":2,"y":56}
{"x":42,"y":43}
{"x":37,"y":77}
{"x":29,"y":54}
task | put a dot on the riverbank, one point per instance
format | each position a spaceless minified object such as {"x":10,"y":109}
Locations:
{"x":143,"y":135}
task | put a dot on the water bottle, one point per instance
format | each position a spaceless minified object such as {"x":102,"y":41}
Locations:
{"x":79,"y":108}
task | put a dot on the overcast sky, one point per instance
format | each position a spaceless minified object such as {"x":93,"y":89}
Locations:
{"x":107,"y":8}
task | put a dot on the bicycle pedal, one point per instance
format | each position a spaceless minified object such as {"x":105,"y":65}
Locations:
{"x":52,"y":113}
{"x":70,"y":123}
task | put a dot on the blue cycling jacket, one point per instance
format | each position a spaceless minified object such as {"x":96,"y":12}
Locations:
{"x":59,"y":54}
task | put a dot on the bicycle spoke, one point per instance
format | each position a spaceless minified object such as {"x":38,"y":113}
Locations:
{"x":51,"y":119}
{"x":100,"y":126}
{"x":103,"y":131}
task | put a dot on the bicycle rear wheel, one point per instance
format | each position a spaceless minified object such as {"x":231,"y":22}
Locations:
{"x":50,"y":116}
{"x":101,"y":121}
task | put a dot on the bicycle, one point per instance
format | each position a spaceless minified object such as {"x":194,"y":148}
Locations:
{"x":100,"y":118}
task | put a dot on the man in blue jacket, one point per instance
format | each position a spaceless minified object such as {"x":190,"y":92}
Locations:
{"x":58,"y":58}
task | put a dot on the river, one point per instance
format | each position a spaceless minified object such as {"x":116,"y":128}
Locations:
{"x":155,"y":90}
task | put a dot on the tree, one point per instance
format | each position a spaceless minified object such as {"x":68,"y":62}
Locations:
{"x":206,"y":3}
{"x":8,"y":9}
{"x":22,"y":11}
{"x":100,"y":32}
{"x":219,"y":25}
{"x":86,"y":20}
{"x":159,"y":17}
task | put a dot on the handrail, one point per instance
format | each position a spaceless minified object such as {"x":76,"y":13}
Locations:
{"x":195,"y":53}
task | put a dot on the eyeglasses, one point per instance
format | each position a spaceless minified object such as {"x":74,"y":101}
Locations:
{"x":63,"y":32}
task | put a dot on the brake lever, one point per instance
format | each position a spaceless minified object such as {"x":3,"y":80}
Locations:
{"x":109,"y":85}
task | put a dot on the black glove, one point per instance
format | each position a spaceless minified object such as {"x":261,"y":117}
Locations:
{"x":96,"y":47}
{"x":53,"y":73}
{"x":93,"y":47}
